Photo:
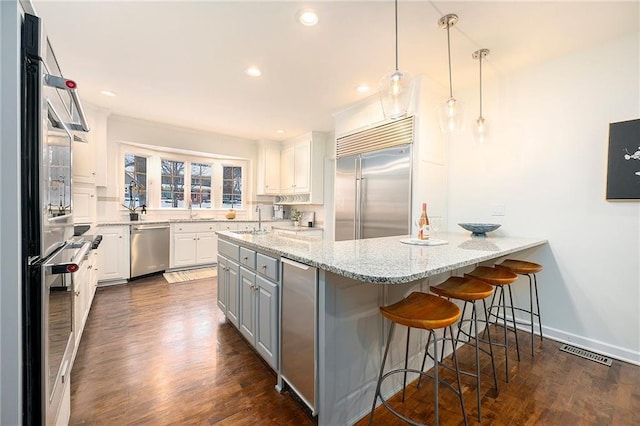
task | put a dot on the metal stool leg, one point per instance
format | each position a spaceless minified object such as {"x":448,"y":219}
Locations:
{"x":424,"y":359}
{"x":475,"y":326}
{"x":493,"y":364}
{"x":436,"y":379}
{"x":513,"y":316}
{"x":535,"y":286}
{"x":501,"y":303}
{"x":531,"y":311}
{"x":455,"y":363}
{"x":384,"y":360}
{"x":406,"y":364}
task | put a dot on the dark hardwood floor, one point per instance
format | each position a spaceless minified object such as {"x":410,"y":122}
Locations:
{"x":162,"y":354}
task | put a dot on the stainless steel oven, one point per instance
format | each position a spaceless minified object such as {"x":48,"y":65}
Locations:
{"x":51,"y":119}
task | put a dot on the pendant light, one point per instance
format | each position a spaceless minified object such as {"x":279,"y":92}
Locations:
{"x":395,"y":87}
{"x":480,"y":130}
{"x":451,"y":112}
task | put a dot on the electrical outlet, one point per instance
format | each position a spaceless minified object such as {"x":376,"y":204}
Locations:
{"x":497,"y":209}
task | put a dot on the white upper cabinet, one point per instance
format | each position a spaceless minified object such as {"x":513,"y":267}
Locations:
{"x":302,"y":170}
{"x":89,"y":158}
{"x":268,"y":168}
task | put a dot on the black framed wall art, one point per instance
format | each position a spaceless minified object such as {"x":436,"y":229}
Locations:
{"x":623,"y":171}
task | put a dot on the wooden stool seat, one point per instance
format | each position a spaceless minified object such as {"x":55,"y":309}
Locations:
{"x":520,"y":266}
{"x":463,"y":289}
{"x":493,"y":276}
{"x":431,"y":313}
{"x":422,"y":310}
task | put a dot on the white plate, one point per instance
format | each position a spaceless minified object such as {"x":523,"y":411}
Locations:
{"x":429,"y":242}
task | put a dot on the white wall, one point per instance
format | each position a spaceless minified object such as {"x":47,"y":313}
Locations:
{"x":547,"y":162}
{"x":125,"y":129}
{"x":10,"y":247}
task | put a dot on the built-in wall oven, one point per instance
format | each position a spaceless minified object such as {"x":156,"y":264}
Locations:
{"x":51,"y":116}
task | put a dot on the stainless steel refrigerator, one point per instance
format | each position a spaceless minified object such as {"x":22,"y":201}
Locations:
{"x":373,"y":194}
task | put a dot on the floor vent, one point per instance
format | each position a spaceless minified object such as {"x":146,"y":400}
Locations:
{"x":586,"y":354}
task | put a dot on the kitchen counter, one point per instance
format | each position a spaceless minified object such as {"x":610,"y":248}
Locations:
{"x":387,"y":260}
{"x":350,"y":330}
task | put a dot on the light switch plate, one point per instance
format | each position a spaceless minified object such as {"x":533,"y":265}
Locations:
{"x":497,"y":209}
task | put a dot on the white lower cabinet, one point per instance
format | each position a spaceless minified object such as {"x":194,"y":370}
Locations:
{"x":193,"y":244}
{"x":113,"y":256}
{"x":85,"y":282}
{"x":248,"y":294}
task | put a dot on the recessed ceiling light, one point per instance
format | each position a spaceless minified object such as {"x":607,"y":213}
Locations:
{"x":363,"y":88}
{"x":253,"y":71}
{"x":280,"y":132}
{"x":307,"y":18}
{"x":107,"y":93}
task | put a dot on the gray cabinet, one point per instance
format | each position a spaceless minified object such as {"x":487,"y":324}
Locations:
{"x":266,"y":332}
{"x":228,"y":291}
{"x":248,"y":304}
{"x":248,"y":293}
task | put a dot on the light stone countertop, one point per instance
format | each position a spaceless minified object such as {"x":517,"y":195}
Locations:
{"x":286,"y":226}
{"x":386,"y":260}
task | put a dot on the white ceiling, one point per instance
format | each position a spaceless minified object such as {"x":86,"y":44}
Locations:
{"x":182,"y":62}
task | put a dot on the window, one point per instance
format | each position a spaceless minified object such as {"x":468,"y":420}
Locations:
{"x":231,"y":186}
{"x":173,"y":179}
{"x":135,"y":180}
{"x":200,"y":185}
{"x":172,"y":186}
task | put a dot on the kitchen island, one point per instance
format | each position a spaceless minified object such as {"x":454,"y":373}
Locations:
{"x":355,"y":278}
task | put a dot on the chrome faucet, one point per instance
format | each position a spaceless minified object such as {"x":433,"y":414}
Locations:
{"x":191,"y":214}
{"x":259,"y":217}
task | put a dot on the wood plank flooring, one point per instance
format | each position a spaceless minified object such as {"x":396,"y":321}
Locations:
{"x":154,"y":353}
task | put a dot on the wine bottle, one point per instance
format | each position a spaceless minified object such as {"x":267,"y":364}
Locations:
{"x":423,"y":224}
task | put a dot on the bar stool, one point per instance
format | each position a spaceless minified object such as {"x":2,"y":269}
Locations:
{"x":499,"y":278}
{"x":529,"y":269}
{"x":470,"y":290}
{"x":428,"y":312}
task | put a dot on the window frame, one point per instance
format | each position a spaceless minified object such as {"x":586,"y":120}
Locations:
{"x":155,"y":155}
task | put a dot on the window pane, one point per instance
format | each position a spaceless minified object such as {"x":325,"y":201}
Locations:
{"x":135,"y":180}
{"x":232,"y":187}
{"x":172,"y":184}
{"x":200,"y":185}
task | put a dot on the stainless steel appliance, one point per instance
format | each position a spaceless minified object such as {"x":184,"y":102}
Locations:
{"x":50,"y":107}
{"x":299,"y":332}
{"x":373,"y":182}
{"x":149,"y":249}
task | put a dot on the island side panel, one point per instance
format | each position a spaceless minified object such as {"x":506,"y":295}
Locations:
{"x":352,"y":335}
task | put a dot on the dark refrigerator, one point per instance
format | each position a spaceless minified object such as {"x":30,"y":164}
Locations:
{"x":51,"y":115}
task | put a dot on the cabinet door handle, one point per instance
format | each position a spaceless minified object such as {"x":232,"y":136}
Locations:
{"x":245,"y":258}
{"x":264,"y":267}
{"x":77,"y":293}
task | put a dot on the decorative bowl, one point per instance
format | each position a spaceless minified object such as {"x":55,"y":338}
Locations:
{"x":479,"y":229}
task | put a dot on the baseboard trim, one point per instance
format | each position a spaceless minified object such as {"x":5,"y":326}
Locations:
{"x":613,"y":351}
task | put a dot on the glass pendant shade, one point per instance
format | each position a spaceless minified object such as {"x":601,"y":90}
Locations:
{"x":480,"y":131}
{"x":451,"y":115}
{"x":395,"y":94}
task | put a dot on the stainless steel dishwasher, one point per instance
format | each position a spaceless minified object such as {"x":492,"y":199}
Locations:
{"x":149,"y":249}
{"x":299,"y":332}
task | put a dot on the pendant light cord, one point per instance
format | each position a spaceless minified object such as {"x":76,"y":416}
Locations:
{"x":396,"y":35}
{"x":480,"y":59}
{"x":449,"y":51}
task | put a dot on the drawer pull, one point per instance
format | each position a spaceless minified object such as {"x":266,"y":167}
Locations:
{"x":264,"y":267}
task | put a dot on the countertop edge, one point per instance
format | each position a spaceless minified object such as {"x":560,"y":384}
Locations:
{"x":377,"y":279}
